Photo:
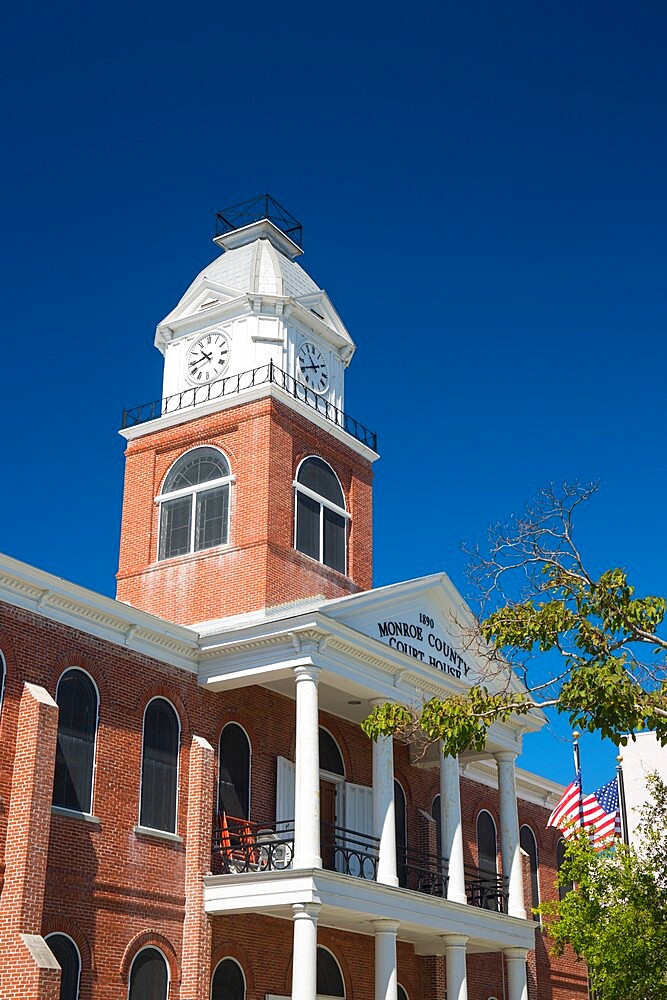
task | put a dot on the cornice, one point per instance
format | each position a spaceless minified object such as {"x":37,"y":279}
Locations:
{"x":249,"y":396}
{"x":58,"y":600}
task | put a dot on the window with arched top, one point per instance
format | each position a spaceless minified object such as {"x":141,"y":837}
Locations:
{"x":487,"y":860}
{"x":149,"y":976}
{"x":228,"y":981}
{"x":234,"y":772}
{"x":529,"y":846}
{"x":560,"y":858}
{"x":159,"y":766}
{"x":331,"y":759}
{"x":435,"y":813}
{"x":320,"y":518}
{"x":68,"y":957}
{"x":78,"y":703}
{"x":400,"y":993}
{"x":401,"y":821}
{"x":194,"y":503}
{"x":330,"y":981}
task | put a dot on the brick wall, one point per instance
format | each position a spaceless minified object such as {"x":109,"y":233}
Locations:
{"x":114,"y":890}
{"x":264,"y":442}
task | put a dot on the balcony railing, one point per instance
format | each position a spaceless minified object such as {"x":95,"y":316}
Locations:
{"x":241,"y":845}
{"x":488,"y":890}
{"x":232,"y":385}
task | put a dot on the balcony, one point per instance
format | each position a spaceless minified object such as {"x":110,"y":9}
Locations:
{"x":241,"y":846}
{"x":233,"y":385}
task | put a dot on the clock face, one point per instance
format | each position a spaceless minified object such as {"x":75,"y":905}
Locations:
{"x":313,"y":367}
{"x":207,"y":358}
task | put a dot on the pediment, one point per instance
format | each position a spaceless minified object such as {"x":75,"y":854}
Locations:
{"x":426,"y":619}
{"x":319,"y":305}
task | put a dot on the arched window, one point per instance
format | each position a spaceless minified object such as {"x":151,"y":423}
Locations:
{"x":228,"y":981}
{"x":329,"y":977}
{"x":487,"y":860}
{"x":320,"y":517}
{"x":400,"y":993}
{"x":159,"y":766}
{"x":149,"y":976}
{"x":67,"y":955}
{"x":234,"y":772}
{"x":331,"y":759}
{"x":560,"y":858}
{"x":77,"y":700}
{"x":435,"y":813}
{"x":194,"y":503}
{"x":529,"y":845}
{"x":400,"y":816}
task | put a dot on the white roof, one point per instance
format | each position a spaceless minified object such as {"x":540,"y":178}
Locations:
{"x":259,"y":267}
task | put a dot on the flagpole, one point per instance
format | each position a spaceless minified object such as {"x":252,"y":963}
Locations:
{"x":625,"y":835}
{"x":575,"y":751}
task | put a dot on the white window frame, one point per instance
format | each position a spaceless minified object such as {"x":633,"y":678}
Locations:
{"x":77,"y":812}
{"x":325,"y":996}
{"x":495,"y":829}
{"x":192,"y":491}
{"x":230,"y":958}
{"x":323,"y":502}
{"x":233,"y":722}
{"x":149,"y":947}
{"x":147,"y":829}
{"x":78,"y":951}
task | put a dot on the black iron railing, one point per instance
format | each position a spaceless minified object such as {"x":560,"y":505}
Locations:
{"x":422,"y":872}
{"x":488,"y":890}
{"x":232,"y":385}
{"x":263,"y":206}
{"x":240,"y":845}
{"x":349,"y":852}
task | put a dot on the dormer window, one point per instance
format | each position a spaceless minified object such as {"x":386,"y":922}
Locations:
{"x":320,"y":522}
{"x":194,"y":503}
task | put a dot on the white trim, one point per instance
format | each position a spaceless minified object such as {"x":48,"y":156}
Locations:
{"x":149,"y":947}
{"x":229,"y":958}
{"x":75,"y":814}
{"x":78,"y":951}
{"x":90,"y":811}
{"x":193,"y":492}
{"x":233,"y":722}
{"x":323,"y":502}
{"x":147,"y":829}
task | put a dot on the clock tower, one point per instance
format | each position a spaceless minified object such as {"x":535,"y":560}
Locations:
{"x":247,"y":485}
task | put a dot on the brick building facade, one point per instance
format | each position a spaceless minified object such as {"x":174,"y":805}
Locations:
{"x":188,"y":807}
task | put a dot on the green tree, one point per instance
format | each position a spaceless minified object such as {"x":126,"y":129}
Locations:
{"x":615,"y":917}
{"x":540,"y":601}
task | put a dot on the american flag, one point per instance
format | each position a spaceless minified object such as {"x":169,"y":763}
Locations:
{"x":597,"y":813}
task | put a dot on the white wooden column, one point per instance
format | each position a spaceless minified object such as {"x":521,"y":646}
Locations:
{"x":384,"y":814}
{"x":455,"y":957}
{"x":451,"y":830}
{"x":304,"y":956}
{"x":386,"y":973}
{"x":517,"y":986}
{"x":510,"y":849}
{"x":307,"y":771}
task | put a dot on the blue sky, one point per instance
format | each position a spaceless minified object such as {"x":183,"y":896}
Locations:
{"x":482,"y":192}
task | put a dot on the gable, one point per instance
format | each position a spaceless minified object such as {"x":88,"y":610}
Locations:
{"x":425,"y":619}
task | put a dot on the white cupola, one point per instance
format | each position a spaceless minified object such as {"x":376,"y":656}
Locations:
{"x":252,"y":306}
